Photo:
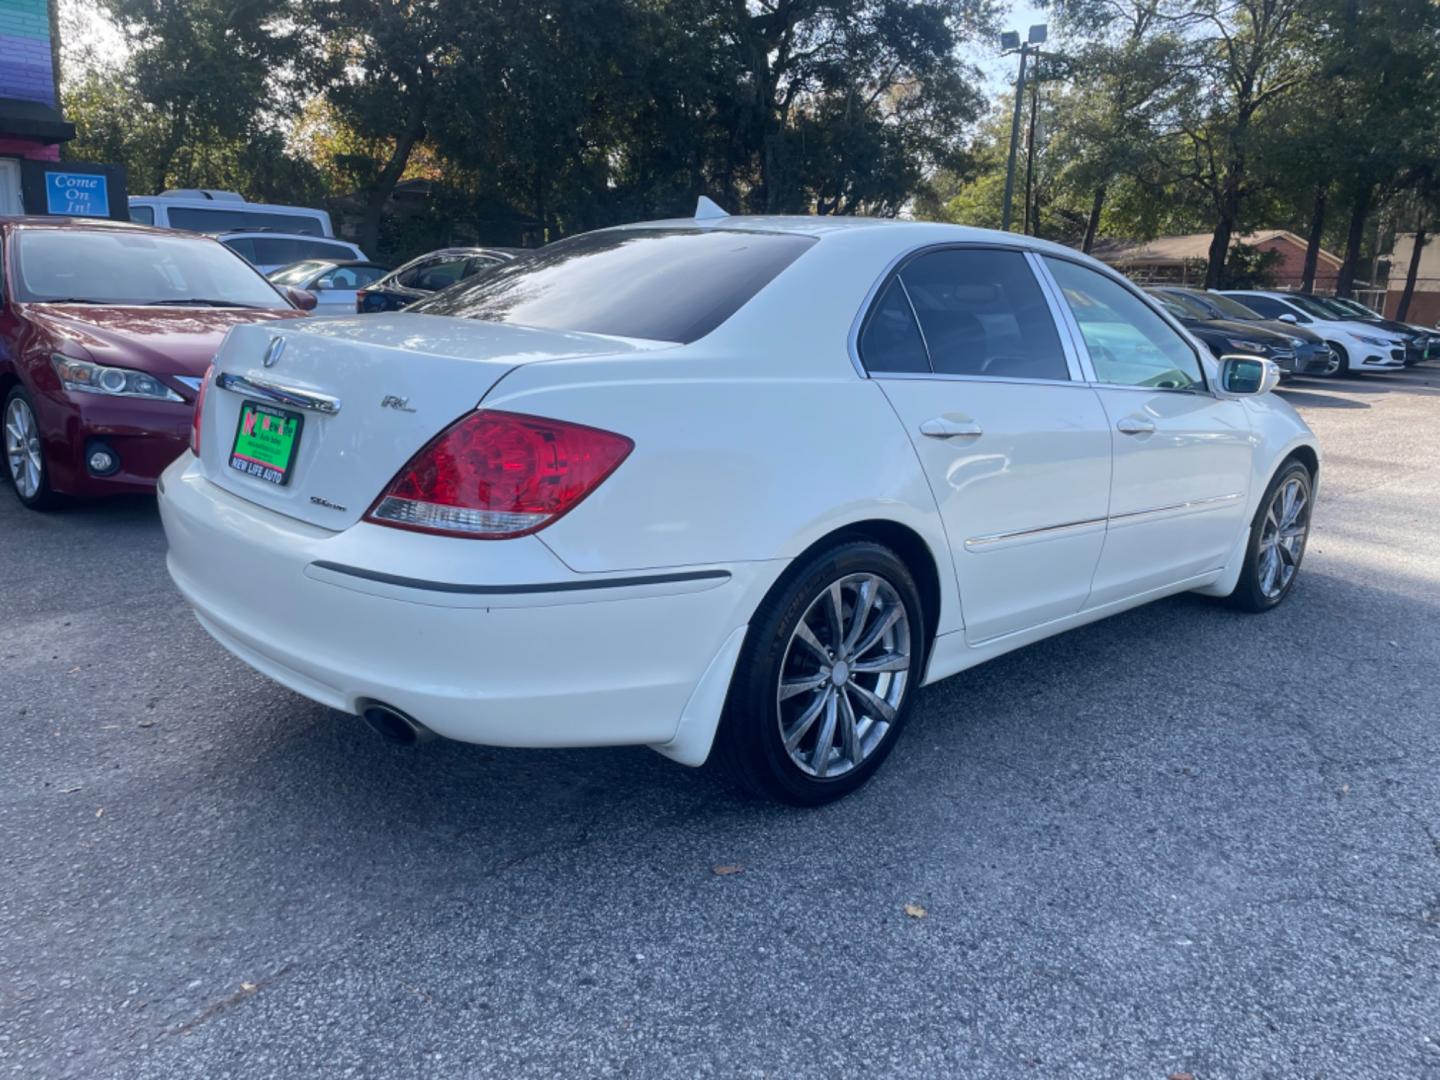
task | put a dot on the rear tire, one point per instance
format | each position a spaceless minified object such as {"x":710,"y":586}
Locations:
{"x":845,"y":634}
{"x":23,"y":451}
{"x":1278,"y":535}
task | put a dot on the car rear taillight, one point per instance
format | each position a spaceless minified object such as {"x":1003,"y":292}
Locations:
{"x":493,"y":475}
{"x":360,"y":297}
{"x":199,"y":408}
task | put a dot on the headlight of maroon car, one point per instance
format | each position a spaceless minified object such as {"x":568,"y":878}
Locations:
{"x":88,"y":378}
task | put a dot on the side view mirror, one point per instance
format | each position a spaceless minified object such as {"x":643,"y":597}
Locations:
{"x":1287,"y":317}
{"x":304,"y":299}
{"x":1246,"y":376}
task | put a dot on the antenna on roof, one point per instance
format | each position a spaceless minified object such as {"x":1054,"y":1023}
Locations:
{"x":706,"y":210}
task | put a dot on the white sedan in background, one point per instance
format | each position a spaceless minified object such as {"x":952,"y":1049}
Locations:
{"x":741,"y":484}
{"x":1355,"y":346}
{"x":333,"y":283}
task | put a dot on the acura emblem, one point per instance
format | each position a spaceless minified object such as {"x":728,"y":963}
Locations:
{"x":272,"y":353}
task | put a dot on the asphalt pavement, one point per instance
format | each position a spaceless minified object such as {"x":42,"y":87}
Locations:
{"x":1180,"y":841}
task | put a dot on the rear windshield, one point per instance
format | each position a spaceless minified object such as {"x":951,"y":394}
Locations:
{"x":660,"y":284}
{"x":282,"y":250}
{"x":206,"y":219}
{"x":122,"y":267}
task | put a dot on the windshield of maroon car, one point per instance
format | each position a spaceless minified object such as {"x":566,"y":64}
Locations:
{"x":104,"y":266}
{"x":657,"y":284}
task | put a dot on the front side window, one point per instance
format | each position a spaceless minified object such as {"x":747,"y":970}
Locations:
{"x":437,"y":275}
{"x":1129,"y":343}
{"x":657,"y":284}
{"x":980,"y":312}
{"x":118,"y":266}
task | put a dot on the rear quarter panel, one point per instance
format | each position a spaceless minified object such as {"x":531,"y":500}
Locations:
{"x":728,"y":466}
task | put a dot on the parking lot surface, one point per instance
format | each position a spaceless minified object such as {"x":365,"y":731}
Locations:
{"x":1182,"y":840}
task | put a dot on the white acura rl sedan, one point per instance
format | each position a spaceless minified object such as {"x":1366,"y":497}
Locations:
{"x":736,"y":485}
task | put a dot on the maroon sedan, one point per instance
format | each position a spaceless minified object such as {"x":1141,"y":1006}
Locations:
{"x":106,"y":331}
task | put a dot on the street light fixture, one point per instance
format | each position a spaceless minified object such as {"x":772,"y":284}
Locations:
{"x":1009,"y":43}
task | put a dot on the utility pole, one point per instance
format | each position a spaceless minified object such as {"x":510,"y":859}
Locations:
{"x":1010,"y":42}
{"x":1030,"y":152}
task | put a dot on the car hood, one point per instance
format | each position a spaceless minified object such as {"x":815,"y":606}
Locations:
{"x":157,"y":340}
{"x":1253,"y":331}
{"x":1275,"y":326}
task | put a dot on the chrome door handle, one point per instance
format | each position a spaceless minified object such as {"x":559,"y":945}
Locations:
{"x":944,"y":427}
{"x":1132,"y":425}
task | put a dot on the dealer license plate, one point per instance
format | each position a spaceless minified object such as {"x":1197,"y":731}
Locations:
{"x":265,"y":442}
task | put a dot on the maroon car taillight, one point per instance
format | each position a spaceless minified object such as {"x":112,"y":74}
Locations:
{"x":199,"y":408}
{"x":492,"y":475}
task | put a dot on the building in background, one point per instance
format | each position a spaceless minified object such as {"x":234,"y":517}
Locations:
{"x":1181,"y":260}
{"x":32,"y":129}
{"x":1425,"y":302}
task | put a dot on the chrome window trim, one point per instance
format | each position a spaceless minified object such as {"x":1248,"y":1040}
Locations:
{"x":895,"y":265}
{"x":1165,"y":317}
{"x":1076,"y":354}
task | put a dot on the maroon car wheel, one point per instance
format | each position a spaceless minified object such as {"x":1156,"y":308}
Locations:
{"x":24,"y":452}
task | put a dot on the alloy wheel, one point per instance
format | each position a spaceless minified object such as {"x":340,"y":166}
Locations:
{"x":1282,"y":537}
{"x":844,"y":676}
{"x":22,"y":447}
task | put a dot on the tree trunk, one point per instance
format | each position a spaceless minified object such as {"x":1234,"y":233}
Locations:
{"x":1413,"y":271}
{"x":1312,"y":243}
{"x":383,"y":186}
{"x":1224,"y":230}
{"x":1096,"y":205}
{"x":1359,"y":210}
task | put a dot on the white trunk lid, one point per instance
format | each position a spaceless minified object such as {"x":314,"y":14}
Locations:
{"x":396,"y":381}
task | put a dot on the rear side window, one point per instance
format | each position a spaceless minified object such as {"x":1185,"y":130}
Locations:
{"x":980,"y":312}
{"x":206,"y":219}
{"x":657,"y":284}
{"x":142,"y":215}
{"x":1271,"y":309}
{"x":891,"y":338}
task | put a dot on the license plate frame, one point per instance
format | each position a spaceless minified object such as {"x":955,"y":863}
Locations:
{"x":262,"y":462}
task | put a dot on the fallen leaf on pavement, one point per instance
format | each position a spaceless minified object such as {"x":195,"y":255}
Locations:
{"x":249,"y":988}
{"x":915,"y":911}
{"x":725,"y":871}
{"x":100,"y":812}
{"x":1180,"y":1076}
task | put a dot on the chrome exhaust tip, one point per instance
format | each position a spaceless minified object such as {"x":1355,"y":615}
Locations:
{"x":395,"y":726}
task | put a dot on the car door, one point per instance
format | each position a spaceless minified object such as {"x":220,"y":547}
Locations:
{"x":963,"y":342}
{"x":1182,"y":455}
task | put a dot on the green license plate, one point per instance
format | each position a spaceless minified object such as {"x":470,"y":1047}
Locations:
{"x":265,"y":442}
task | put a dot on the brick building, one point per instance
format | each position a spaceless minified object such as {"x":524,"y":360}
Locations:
{"x":32,"y":129}
{"x":1425,"y":302}
{"x":1181,"y":260}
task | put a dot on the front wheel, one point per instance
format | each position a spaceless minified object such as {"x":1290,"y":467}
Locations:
{"x":1277,"y":540}
{"x":25,"y":453}
{"x":1339,"y":361}
{"x":825,"y":679}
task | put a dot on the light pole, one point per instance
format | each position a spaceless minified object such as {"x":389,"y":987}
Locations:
{"x":1010,"y":42}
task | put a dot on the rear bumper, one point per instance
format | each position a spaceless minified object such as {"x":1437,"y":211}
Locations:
{"x":520,"y":652}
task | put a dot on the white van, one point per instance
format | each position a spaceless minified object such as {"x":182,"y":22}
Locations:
{"x":208,"y":211}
